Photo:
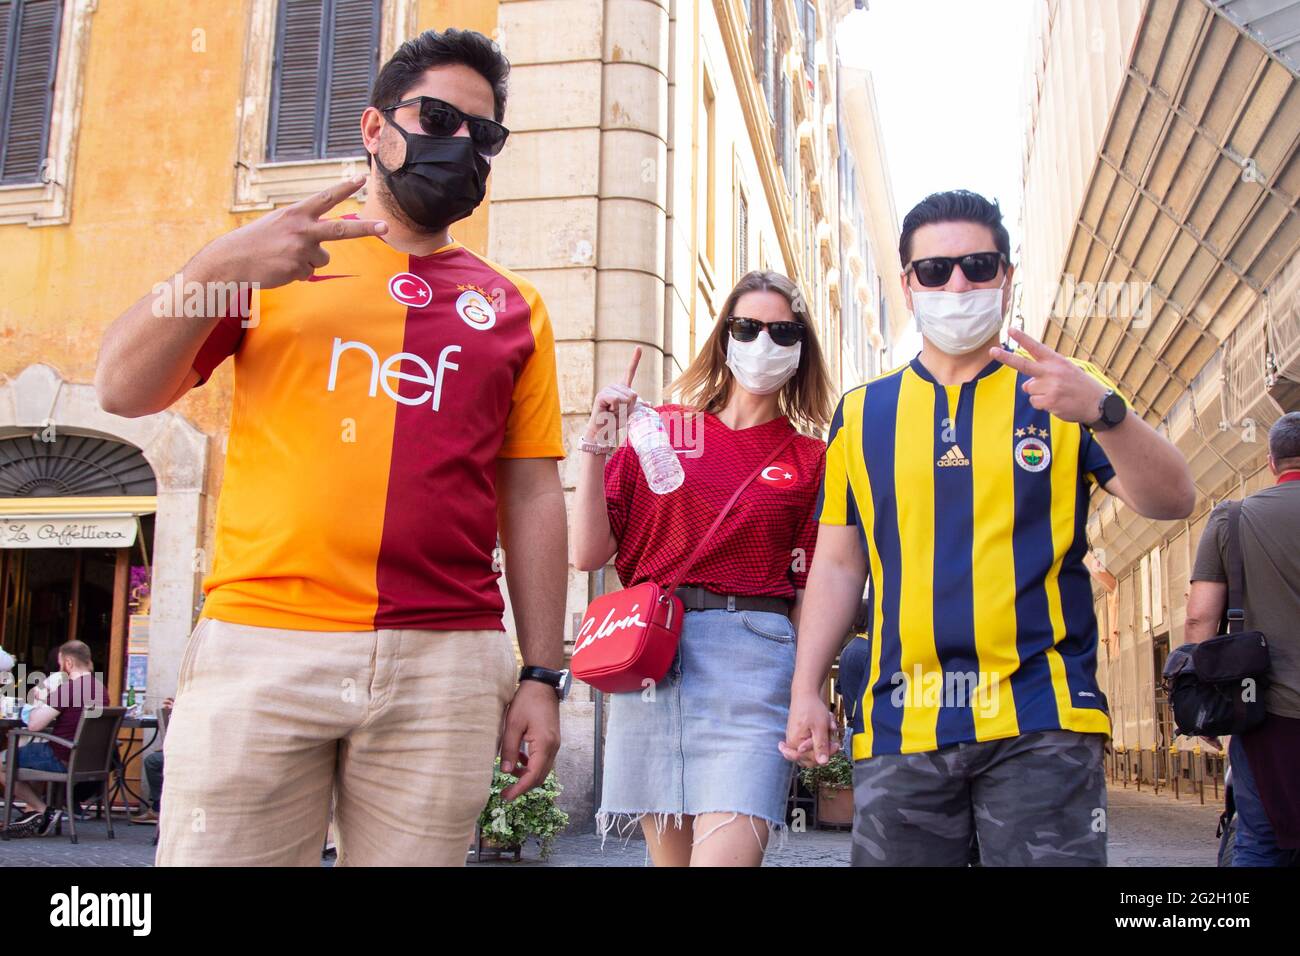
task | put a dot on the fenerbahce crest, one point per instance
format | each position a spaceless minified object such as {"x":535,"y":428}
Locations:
{"x":1033,"y":454}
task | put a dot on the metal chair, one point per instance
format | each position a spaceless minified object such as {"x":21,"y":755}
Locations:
{"x":93,"y":748}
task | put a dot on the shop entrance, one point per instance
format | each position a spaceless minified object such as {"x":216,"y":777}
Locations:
{"x":76,"y":532}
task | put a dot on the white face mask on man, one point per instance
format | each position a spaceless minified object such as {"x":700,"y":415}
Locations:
{"x":958,"y":322}
{"x":762,"y":366}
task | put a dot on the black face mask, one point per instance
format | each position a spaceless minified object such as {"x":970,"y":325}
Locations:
{"x":442,"y":179}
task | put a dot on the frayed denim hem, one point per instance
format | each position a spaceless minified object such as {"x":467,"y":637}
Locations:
{"x":623,"y":822}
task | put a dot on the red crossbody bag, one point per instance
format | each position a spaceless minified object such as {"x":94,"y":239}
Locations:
{"x":628,"y":638}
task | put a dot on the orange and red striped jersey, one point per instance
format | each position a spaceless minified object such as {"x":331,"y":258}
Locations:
{"x":371,"y":403}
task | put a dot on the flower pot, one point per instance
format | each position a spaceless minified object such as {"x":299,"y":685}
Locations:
{"x":835,"y":806}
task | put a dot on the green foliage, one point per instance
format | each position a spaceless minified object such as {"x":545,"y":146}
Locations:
{"x":836,"y":773}
{"x":531,"y":815}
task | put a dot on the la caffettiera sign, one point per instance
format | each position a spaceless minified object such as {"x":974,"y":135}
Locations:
{"x":68,"y":532}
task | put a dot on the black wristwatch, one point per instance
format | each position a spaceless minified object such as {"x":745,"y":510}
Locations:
{"x":560,"y":680}
{"x":1111,"y":411}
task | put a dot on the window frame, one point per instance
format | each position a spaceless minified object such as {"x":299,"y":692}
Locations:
{"x":260,"y":183}
{"x":48,"y":202}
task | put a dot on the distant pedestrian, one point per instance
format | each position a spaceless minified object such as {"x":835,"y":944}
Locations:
{"x":1266,"y":760}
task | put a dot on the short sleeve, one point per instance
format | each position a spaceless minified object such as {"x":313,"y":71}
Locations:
{"x":1092,"y":458}
{"x":58,"y":698}
{"x":533,"y":426}
{"x":620,"y":481}
{"x":225,"y":337}
{"x":806,"y":541}
{"x":1208,"y":565}
{"x":835,"y":500}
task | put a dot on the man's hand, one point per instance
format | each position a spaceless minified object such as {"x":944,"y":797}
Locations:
{"x":533,"y":717}
{"x":1055,"y":384}
{"x":811,"y":732}
{"x":285,"y":245}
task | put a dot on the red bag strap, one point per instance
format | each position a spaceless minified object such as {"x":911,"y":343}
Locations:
{"x":699,"y":548}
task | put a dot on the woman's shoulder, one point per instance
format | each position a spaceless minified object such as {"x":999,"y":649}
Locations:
{"x":809,"y":445}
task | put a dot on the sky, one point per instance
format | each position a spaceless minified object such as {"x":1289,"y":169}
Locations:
{"x":949,"y":78}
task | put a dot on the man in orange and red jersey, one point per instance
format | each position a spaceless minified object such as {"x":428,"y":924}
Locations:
{"x":395,"y":411}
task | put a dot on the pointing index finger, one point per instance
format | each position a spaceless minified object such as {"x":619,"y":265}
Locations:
{"x":1031,"y":345}
{"x":631,"y":368}
{"x":1020,"y":363}
{"x":325,"y":200}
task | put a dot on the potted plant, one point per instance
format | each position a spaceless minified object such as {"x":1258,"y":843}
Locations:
{"x":833,"y":784}
{"x":533,"y":815}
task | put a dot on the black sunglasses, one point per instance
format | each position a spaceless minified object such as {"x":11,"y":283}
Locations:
{"x":977,"y":267}
{"x":439,"y":118}
{"x":782,"y":333}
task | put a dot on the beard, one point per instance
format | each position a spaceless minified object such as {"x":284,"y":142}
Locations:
{"x":395,"y":146}
{"x":391,"y":207}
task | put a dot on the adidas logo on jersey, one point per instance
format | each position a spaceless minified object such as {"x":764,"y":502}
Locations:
{"x":953,"y":458}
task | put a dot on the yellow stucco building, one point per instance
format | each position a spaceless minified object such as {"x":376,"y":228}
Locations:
{"x":658,"y":151}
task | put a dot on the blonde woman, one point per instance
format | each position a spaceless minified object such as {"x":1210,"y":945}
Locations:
{"x":696,"y":760}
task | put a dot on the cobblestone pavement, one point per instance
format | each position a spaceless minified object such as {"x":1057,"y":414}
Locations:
{"x":1145,"y":830}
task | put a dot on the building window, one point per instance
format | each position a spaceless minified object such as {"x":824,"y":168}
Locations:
{"x":43,"y":50}
{"x":785,"y":133}
{"x":742,"y":234}
{"x":310,"y":65}
{"x":326,"y":57}
{"x":809,"y":26}
{"x":762,"y":31}
{"x":708,"y":167}
{"x":29,"y":53}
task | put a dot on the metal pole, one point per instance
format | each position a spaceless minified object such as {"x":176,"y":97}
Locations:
{"x":597,"y":580}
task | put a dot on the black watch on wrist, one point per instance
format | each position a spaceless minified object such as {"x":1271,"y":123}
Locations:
{"x":1111,"y":411}
{"x":560,"y":680}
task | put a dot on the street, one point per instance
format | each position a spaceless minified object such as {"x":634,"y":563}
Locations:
{"x":1145,"y":830}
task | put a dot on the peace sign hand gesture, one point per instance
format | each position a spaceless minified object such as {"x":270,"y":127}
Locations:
{"x":285,"y":245}
{"x":1055,"y":384}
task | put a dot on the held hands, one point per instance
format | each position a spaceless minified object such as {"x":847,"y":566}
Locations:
{"x":285,"y":245}
{"x":612,"y":403}
{"x":811,"y":732}
{"x":1055,"y":383}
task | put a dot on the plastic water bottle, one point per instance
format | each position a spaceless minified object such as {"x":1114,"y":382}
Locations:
{"x":649,"y":439}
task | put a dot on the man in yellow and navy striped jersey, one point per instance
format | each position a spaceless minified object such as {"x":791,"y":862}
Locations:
{"x":960,"y":484}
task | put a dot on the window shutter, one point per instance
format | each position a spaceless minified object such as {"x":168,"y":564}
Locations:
{"x":809,"y":38}
{"x":326,"y":54}
{"x":354,"y":52}
{"x":298,"y":84}
{"x":742,"y":237}
{"x":769,"y":57}
{"x":29,"y":50}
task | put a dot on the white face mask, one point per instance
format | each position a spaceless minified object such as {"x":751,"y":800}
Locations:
{"x":958,"y":322}
{"x":762,"y":366}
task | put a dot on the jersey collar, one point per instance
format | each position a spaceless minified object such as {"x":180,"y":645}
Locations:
{"x":924,"y":372}
{"x":1292,"y":475}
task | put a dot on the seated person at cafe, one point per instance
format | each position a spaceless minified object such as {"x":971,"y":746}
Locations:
{"x":153,"y":772}
{"x":80,"y":691}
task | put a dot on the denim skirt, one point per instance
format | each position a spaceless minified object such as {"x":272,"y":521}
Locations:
{"x":704,"y":739}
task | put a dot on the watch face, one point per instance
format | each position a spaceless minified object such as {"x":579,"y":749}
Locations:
{"x":566,"y":681}
{"x":1113,"y":409}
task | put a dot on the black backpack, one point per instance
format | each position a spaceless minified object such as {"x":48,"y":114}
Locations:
{"x":1216,"y":687}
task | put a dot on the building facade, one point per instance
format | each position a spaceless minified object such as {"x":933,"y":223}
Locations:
{"x":1162,"y":242}
{"x":658,"y":151}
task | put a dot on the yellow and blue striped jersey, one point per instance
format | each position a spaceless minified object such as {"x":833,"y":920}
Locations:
{"x":971,"y":507}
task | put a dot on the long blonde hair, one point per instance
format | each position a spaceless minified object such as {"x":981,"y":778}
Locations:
{"x":805,"y":399}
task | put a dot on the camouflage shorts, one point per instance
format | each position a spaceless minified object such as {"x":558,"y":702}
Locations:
{"x":1034,"y":800}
